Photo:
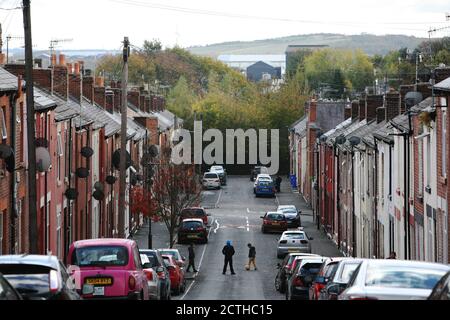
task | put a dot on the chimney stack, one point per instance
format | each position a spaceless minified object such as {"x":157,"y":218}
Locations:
{"x":62,"y":60}
{"x":88,"y":88}
{"x":355,"y":110}
{"x":392,"y":105}
{"x":76,"y":68}
{"x":373,"y":102}
{"x":381,"y":114}
{"x":53,"y":60}
{"x":362,"y":109}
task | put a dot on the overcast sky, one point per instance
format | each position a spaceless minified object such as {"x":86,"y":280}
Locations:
{"x":102,"y":24}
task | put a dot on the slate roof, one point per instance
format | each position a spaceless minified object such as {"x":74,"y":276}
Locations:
{"x":443,"y":85}
{"x":8,"y":81}
{"x":300,"y":126}
{"x":336,"y":132}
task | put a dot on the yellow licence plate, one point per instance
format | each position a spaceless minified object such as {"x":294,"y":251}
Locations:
{"x":99,"y":281}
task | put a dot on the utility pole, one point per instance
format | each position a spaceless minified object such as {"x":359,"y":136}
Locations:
{"x":32,"y":231}
{"x":123,"y":139}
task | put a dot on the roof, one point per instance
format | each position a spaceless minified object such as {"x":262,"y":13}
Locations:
{"x":43,"y":101}
{"x":333,"y":133}
{"x":300,"y":126}
{"x":8,"y":81}
{"x":106,"y":241}
{"x":362,"y":132}
{"x":41,"y":260}
{"x":443,"y":85}
{"x":141,"y":132}
{"x":349,"y":130}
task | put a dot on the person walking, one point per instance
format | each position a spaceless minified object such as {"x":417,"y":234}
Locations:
{"x":191,"y":259}
{"x":393,"y":255}
{"x":251,"y":256}
{"x":228,"y":252}
{"x":278,"y":183}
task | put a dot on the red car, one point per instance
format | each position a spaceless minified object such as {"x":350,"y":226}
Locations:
{"x":194,"y":213}
{"x":326,"y":272}
{"x":177,"y":279}
{"x":274,"y":222}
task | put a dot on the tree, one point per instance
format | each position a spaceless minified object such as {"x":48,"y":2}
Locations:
{"x":150,"y":47}
{"x":175,"y":187}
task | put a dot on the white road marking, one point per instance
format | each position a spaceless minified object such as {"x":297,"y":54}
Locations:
{"x":278,"y":201}
{"x":248,"y":225}
{"x":218,"y":200}
{"x":198,"y":269}
{"x":218,"y":226}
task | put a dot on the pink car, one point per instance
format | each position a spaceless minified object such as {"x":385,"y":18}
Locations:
{"x":108,"y":268}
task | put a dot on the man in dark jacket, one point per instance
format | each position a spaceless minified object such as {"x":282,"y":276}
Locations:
{"x":191,"y":258}
{"x":278,"y":183}
{"x":251,"y":256}
{"x":228,"y":252}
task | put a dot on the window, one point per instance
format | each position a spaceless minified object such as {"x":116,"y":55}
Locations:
{"x":4,"y":128}
{"x":60,"y":152}
{"x":444,"y":144}
{"x":420,"y":161}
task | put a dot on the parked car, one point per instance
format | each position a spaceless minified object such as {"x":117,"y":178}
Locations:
{"x":390,"y":279}
{"x":265,"y":188}
{"x":293,"y":241}
{"x":274,"y":222}
{"x":327,"y":270}
{"x":194,"y":213}
{"x":153,"y":281}
{"x":179,"y":259}
{"x":211,"y":180}
{"x":292,"y":215}
{"x":257,"y":170}
{"x":109,"y":268}
{"x":261,"y":177}
{"x":7,"y":291}
{"x":441,"y":290}
{"x":177,"y":279}
{"x":340,"y":279}
{"x":192,"y":230}
{"x":302,"y":277}
{"x":157,"y":263}
{"x":285,"y":269}
{"x":221,"y":172}
{"x":38,"y":277}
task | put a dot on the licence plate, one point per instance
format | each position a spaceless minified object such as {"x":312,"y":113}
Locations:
{"x":292,"y":250}
{"x":191,"y":236}
{"x":99,"y":281}
{"x":275,"y":223}
{"x":99,"y":291}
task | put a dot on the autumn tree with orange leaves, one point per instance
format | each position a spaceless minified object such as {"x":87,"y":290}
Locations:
{"x":174,"y":187}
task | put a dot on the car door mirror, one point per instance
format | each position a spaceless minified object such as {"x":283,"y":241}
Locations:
{"x":262,"y":217}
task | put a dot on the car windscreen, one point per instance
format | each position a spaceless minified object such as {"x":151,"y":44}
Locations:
{"x":275,"y":217}
{"x":192,"y":213}
{"x":170,"y":253}
{"x":27,"y":279}
{"x":294,"y":236}
{"x":264,"y":183}
{"x":191,"y":224}
{"x":289,"y":211}
{"x":346,"y":272}
{"x":402,"y":277}
{"x":330,"y":269}
{"x":310,"y":268}
{"x":100,"y":256}
{"x":153,"y":261}
{"x":211,"y":176}
{"x":216,"y":169}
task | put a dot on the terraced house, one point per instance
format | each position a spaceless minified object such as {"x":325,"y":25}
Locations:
{"x":382,"y":173}
{"x":78,"y":125}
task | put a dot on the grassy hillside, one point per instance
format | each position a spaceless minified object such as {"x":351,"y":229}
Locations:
{"x":371,"y":44}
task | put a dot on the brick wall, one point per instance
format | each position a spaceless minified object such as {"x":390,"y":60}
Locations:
{"x":392,"y":104}
{"x":373,"y":102}
{"x":88,"y":88}
{"x":75,"y":86}
{"x":355,"y":110}
{"x":362,"y":110}
{"x":61,"y":81}
{"x":134,"y":98}
{"x":100,"y":96}
{"x":441,"y":180}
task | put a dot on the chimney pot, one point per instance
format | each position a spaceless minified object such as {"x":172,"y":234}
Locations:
{"x":76,"y":68}
{"x":62,"y":60}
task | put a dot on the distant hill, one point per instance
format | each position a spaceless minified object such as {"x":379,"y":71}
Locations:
{"x":371,"y":44}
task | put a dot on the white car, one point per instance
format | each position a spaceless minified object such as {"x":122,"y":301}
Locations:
{"x":221,"y":172}
{"x":262,"y":177}
{"x":211,"y":180}
{"x":393,"y":280}
{"x":153,"y":280}
{"x":293,"y":241}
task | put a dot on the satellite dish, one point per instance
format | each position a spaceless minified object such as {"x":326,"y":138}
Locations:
{"x":41,"y":142}
{"x":110,"y":179}
{"x":87,"y":152}
{"x":153,"y":151}
{"x":43,"y":160}
{"x":71,"y":194}
{"x":413,"y":98}
{"x":99,"y":186}
{"x":5,"y":151}
{"x":116,"y":159}
{"x":82,"y":173}
{"x":354,"y":141}
{"x":341,"y":139}
{"x":98,"y":195}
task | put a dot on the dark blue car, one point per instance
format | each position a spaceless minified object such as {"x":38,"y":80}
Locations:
{"x":265,"y":188}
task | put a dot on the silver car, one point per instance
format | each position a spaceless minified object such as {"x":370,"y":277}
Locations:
{"x":153,"y":281}
{"x":393,"y":280}
{"x":293,"y":241}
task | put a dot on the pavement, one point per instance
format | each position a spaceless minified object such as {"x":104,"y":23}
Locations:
{"x":236,"y":216}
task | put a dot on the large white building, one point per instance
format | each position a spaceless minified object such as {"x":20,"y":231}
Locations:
{"x":243,"y":61}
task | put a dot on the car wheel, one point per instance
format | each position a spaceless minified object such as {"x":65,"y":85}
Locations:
{"x":177,"y":290}
{"x":282,"y":287}
{"x":277,"y":284}
{"x":280,"y":256}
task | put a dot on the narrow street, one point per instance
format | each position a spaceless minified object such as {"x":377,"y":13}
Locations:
{"x":235,"y":215}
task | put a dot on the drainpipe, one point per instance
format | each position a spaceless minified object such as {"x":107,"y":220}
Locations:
{"x":13,"y":183}
{"x":353,"y":207}
{"x":338,"y":198}
{"x":377,"y":247}
{"x":67,"y":217}
{"x":46,"y":188}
